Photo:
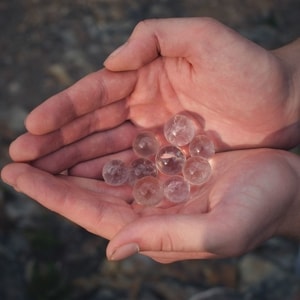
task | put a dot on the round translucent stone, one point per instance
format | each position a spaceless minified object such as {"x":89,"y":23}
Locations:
{"x":145,"y":144}
{"x":196,"y":170}
{"x":176,"y":189}
{"x":202,"y":146}
{"x":170,"y":160}
{"x":179,"y":130}
{"x":140,"y":168}
{"x":115,"y":172}
{"x":148,"y":191}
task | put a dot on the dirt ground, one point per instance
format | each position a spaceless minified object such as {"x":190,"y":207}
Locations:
{"x":45,"y":47}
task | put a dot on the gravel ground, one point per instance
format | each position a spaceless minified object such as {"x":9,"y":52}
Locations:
{"x":45,"y":47}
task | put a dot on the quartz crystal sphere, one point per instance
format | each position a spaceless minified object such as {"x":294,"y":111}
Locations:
{"x":141,"y":167}
{"x":176,"y":189}
{"x":196,"y":170}
{"x":148,"y":191}
{"x":179,"y":130}
{"x":169,"y":160}
{"x":202,"y":146}
{"x":145,"y":144}
{"x":166,"y":172}
{"x":115,"y":172}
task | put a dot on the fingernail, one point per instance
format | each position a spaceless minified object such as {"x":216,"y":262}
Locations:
{"x":117,"y":51}
{"x":125,"y":251}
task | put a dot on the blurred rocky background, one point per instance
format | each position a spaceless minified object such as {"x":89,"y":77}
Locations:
{"x":46,"y":45}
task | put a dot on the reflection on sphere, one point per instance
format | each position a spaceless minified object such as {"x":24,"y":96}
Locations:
{"x":170,"y":160}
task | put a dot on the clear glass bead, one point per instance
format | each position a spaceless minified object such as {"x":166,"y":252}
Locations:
{"x":169,"y":160}
{"x":196,"y":170}
{"x":176,"y":189}
{"x":179,"y":130}
{"x":202,"y":146}
{"x":148,"y":191}
{"x":115,"y":172}
{"x":145,"y":144}
{"x":140,"y":168}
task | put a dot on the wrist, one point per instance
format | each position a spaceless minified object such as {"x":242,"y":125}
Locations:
{"x":290,"y":223}
{"x":289,"y":57}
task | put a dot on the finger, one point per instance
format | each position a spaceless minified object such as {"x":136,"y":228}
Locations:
{"x":171,"y":234}
{"x":29,"y":146}
{"x":92,"y":168}
{"x":170,"y":257}
{"x":98,"y":213}
{"x":93,"y":146}
{"x":88,"y":94}
{"x":100,"y":187}
{"x":163,"y":37}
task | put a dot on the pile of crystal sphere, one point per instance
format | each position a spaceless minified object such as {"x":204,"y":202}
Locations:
{"x":165,"y":169}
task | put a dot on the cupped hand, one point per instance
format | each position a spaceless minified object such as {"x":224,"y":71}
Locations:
{"x":242,"y":92}
{"x":250,"y":197}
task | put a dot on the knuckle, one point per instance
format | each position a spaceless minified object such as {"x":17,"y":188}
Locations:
{"x":144,"y":24}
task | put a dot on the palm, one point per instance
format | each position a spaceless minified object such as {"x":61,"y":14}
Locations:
{"x":231,"y":214}
{"x":234,"y":212}
{"x":237,"y":92}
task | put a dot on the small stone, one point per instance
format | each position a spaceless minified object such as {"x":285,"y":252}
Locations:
{"x":145,"y":144}
{"x":140,"y":168}
{"x":202,"y":146}
{"x":176,"y":189}
{"x":170,"y":160}
{"x":148,"y":191}
{"x":196,"y":170}
{"x":179,"y":130}
{"x":115,"y":172}
{"x":254,"y":269}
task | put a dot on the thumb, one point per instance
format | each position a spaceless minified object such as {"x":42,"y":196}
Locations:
{"x":162,"y":37}
{"x":162,"y":237}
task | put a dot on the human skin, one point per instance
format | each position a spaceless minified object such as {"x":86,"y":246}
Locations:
{"x":252,"y":195}
{"x":246,"y":97}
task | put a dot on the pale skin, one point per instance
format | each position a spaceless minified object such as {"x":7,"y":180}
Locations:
{"x":247,"y":98}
